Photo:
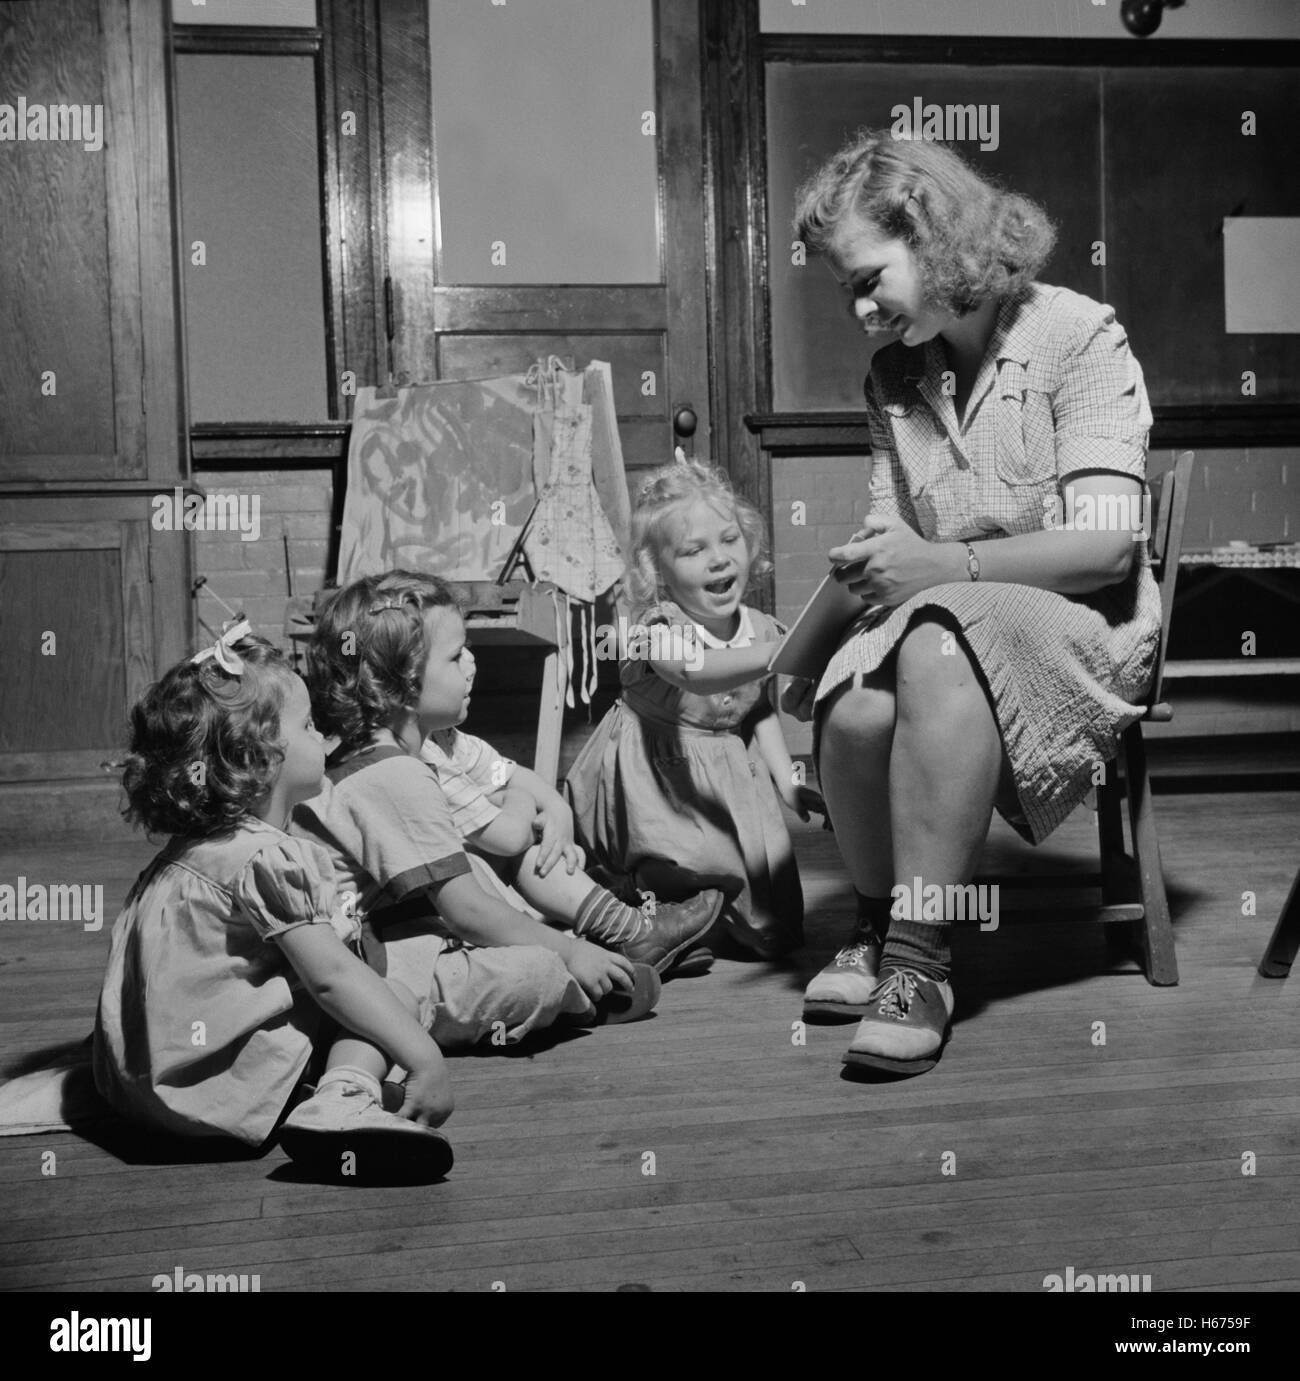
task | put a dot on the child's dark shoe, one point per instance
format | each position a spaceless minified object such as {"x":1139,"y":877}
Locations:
{"x":343,"y":1118}
{"x":905,"y":1026}
{"x":676,"y":929}
{"x":843,"y":989}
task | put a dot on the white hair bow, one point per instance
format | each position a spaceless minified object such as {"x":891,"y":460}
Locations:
{"x":224,"y":647}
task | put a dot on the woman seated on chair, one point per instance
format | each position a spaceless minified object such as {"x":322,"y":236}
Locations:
{"x":1011,"y":619}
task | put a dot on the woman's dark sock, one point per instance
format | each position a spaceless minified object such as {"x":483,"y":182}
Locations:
{"x":921,"y":946}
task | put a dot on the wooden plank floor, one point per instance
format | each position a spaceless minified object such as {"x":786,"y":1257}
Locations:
{"x":768,"y":1166}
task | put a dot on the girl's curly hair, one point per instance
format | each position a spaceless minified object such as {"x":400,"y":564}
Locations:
{"x":659,"y":500}
{"x":366,"y":658}
{"x":204,"y":743}
{"x":972,"y":240}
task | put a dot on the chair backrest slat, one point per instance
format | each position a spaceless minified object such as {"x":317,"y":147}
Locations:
{"x":1170,"y":493}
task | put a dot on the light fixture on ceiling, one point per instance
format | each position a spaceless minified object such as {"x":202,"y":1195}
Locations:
{"x":1142,"y":17}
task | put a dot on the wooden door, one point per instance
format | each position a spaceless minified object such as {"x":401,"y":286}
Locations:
{"x":426,"y":326}
{"x":93,"y":603}
{"x":85,"y":276}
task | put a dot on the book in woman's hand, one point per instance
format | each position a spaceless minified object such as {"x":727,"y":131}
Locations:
{"x":813,"y":637}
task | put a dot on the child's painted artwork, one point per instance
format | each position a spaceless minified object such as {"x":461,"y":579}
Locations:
{"x":440,"y":478}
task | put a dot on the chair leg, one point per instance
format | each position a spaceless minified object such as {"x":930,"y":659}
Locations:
{"x":1122,"y":938}
{"x":1282,"y":948}
{"x":1157,"y":932}
{"x":1110,"y":835}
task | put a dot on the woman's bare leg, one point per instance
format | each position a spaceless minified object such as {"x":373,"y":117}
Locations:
{"x":944,"y":770}
{"x":946,"y":759}
{"x":853,"y":765}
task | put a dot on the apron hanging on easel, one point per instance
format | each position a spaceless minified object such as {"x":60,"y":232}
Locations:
{"x":569,"y":540}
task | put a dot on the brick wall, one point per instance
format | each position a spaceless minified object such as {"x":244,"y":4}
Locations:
{"x":1240,"y":494}
{"x":817,"y":502}
{"x":252,"y":576}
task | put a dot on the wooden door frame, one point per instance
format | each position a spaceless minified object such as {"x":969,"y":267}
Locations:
{"x":735,"y":187}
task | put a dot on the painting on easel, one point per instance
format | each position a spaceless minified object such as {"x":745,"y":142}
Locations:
{"x":440,"y":478}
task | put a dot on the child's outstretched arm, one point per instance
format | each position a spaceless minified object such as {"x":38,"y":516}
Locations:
{"x":479,"y":918}
{"x":710,"y":670}
{"x":770,"y":742}
{"x":362,"y":1003}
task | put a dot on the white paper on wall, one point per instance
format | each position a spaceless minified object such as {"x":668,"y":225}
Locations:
{"x":1261,"y":274}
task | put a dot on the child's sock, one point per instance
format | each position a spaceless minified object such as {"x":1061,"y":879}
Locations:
{"x":873,"y":913}
{"x":350,"y":1074}
{"x":922,"y":946}
{"x":603,"y":917}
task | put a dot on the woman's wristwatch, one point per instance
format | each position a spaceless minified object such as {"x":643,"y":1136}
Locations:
{"x":972,"y":562}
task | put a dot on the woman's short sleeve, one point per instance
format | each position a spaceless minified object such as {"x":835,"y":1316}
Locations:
{"x":287,"y":884}
{"x":1101,"y":411}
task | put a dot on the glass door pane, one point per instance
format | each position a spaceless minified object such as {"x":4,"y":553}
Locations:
{"x":546,"y":151}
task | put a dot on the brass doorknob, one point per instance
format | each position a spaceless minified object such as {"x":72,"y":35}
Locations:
{"x":685,"y":422}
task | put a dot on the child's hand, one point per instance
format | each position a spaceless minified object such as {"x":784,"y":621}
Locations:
{"x":797,"y":698}
{"x":803,"y":800}
{"x":429,"y":1099}
{"x":598,"y":970}
{"x":553,"y":826}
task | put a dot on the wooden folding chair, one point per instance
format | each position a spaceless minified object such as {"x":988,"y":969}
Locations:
{"x":1133,"y":901}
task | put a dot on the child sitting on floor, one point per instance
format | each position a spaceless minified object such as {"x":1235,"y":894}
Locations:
{"x":682,"y":783}
{"x":523,"y":828}
{"x":388,"y":666}
{"x":231,"y":944}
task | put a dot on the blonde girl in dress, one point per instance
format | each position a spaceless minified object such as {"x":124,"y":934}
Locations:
{"x":232,"y":956}
{"x":680,"y":787}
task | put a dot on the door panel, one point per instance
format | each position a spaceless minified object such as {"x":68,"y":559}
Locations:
{"x":77,"y":612}
{"x":71,"y":352}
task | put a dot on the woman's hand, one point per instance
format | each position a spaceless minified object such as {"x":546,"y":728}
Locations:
{"x":887,"y":562}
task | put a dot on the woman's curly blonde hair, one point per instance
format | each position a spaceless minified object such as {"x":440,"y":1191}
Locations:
{"x":972,"y":241}
{"x":661,"y":497}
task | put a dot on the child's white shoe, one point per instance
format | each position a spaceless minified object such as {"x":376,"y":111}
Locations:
{"x":343,"y":1134}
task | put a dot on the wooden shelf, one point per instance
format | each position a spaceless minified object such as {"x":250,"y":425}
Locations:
{"x":1216,"y":667}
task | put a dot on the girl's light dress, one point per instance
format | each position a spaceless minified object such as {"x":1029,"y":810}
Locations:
{"x":670,"y":792}
{"x":203,"y":1028}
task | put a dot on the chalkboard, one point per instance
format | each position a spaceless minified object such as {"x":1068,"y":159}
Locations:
{"x":1148,"y":161}
{"x":1177,"y":164}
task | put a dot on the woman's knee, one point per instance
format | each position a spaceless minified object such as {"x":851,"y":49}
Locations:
{"x":933,"y":665}
{"x":860,"y":717}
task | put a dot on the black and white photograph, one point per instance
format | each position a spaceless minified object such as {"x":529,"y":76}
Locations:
{"x":651,"y":646}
